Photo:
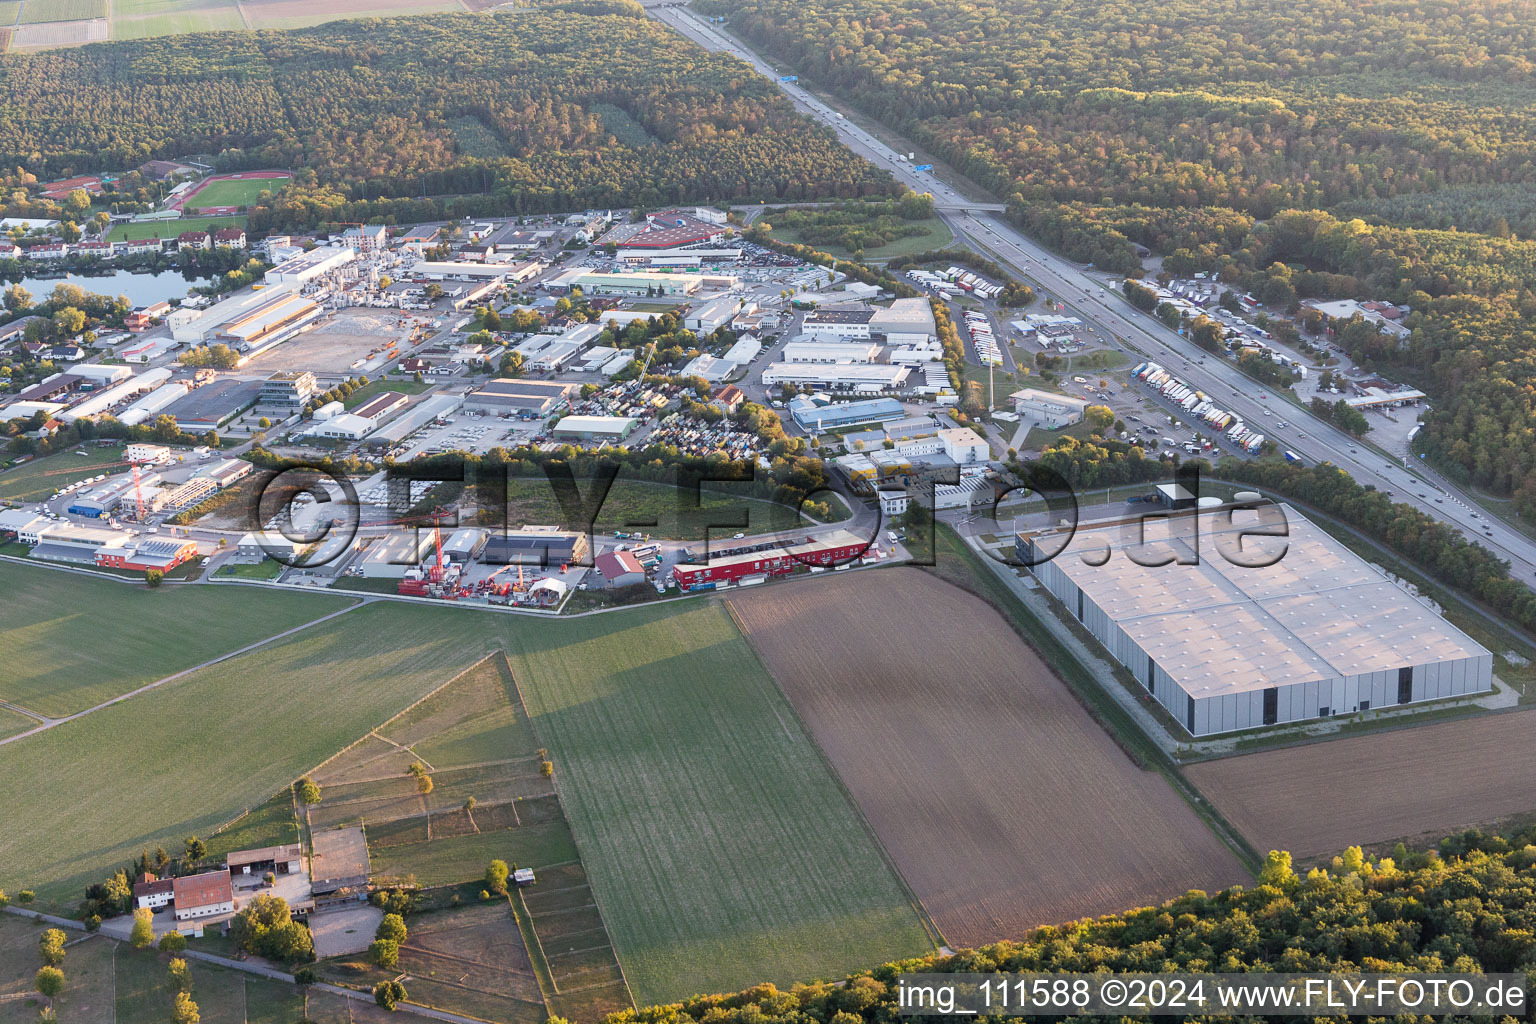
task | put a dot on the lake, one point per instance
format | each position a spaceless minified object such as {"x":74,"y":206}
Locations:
{"x":141,"y":288}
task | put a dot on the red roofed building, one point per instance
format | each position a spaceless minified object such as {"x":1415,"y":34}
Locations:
{"x":104,"y":250}
{"x":671,"y":229}
{"x":620,"y":568}
{"x":203,"y":895}
{"x":163,"y":553}
{"x":194,"y":240}
{"x":153,"y":892}
{"x":729,"y":398}
{"x":232,"y":237}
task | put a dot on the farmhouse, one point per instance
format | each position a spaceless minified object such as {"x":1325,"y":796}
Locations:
{"x":1304,"y":629}
{"x":840,"y":547}
{"x":203,"y":895}
{"x":152,"y":892}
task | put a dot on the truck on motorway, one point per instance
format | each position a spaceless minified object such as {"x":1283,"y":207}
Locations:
{"x":1291,"y":456}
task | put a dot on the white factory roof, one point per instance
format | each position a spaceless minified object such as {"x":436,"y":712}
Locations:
{"x":1217,"y":628}
{"x":418,"y":416}
{"x":830,"y":352}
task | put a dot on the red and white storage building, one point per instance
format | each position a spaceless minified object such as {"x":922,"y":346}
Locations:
{"x":834,"y":549}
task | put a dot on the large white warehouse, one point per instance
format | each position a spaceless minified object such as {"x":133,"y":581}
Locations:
{"x":1317,"y":632}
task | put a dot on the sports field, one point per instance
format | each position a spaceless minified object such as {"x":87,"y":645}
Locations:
{"x":70,"y":642}
{"x":85,"y":796}
{"x":721,"y":850}
{"x":230,"y":190}
{"x":1425,"y":781}
{"x":169,"y":228}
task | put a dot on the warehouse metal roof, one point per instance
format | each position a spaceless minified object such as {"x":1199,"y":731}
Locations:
{"x":1316,"y":611}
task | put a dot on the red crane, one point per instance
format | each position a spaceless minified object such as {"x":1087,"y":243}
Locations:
{"x":138,"y":491}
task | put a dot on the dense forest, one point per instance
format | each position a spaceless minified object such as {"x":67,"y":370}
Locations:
{"x":1319,"y":149}
{"x":1469,"y":906}
{"x":406,"y":108}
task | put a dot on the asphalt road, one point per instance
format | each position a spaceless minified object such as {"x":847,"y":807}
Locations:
{"x":1090,"y":298}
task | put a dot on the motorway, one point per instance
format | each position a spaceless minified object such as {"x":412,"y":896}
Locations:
{"x":980,"y":224}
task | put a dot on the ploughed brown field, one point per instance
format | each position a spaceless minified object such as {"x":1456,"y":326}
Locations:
{"x":1002,"y":803}
{"x":1319,"y":798}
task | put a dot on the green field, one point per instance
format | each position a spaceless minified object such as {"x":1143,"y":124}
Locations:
{"x":207,"y":18}
{"x":88,"y":983}
{"x":188,"y":757}
{"x":935,"y":236}
{"x":265,"y":570}
{"x":70,"y":642}
{"x":377,"y":387}
{"x":462,"y":858}
{"x":37,"y":11}
{"x":40,"y":478}
{"x":720,"y":847}
{"x":12,"y":723}
{"x":169,"y":228}
{"x":630,"y":502}
{"x":235,"y":192}
{"x":8,"y":11}
{"x":145,"y":993}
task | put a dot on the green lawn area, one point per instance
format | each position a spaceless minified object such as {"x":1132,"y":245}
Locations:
{"x":235,"y":191}
{"x":935,"y":236}
{"x":265,"y":570}
{"x":62,"y":10}
{"x":88,"y":984}
{"x":169,"y":228}
{"x":40,"y":478}
{"x":209,"y":18}
{"x":145,"y":992}
{"x":464,"y":858}
{"x":378,"y":387}
{"x":720,"y":847}
{"x":188,"y":757}
{"x":71,"y":642}
{"x":8,"y":11}
{"x":12,"y":723}
{"x":478,"y":718}
{"x":274,"y":823}
{"x":532,"y":501}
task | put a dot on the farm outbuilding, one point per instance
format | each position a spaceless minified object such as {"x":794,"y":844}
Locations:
{"x":1238,"y":630}
{"x":620,"y":569}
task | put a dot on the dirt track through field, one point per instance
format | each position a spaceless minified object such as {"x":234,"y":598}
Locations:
{"x":1319,"y":798}
{"x":1002,"y":803}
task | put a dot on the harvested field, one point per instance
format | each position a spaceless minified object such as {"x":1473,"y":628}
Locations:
{"x":60,"y":33}
{"x":1403,"y":784}
{"x":1002,"y":803}
{"x":301,"y":13}
{"x":473,"y":961}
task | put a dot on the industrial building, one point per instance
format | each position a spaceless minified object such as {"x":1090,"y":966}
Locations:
{"x":154,"y":403}
{"x":465,"y":545}
{"x":237,"y":307}
{"x":66,"y":542}
{"x":101,"y":375}
{"x":380,"y":406}
{"x":254,"y":330}
{"x":873,"y":377}
{"x":629,"y":283}
{"x":213,"y":405}
{"x":772,"y":559}
{"x":838,"y":322}
{"x":391,"y":555}
{"x":536,"y":546}
{"x":144,"y":553}
{"x":965,"y":447}
{"x":307,"y":266}
{"x":287,"y":391}
{"x":127,"y":387}
{"x":1303,"y":630}
{"x":713,"y":369}
{"x":608,"y":429}
{"x":905,"y":322}
{"x":532,"y":399}
{"x":418,"y":416}
{"x":713,"y":315}
{"x":830,"y":352}
{"x":366,"y":237}
{"x":811,"y":415}
{"x":466,"y":271}
{"x":1047,"y":409}
{"x":673,"y":229}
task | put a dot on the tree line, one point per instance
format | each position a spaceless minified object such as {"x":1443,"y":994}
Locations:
{"x":367,"y":113}
{"x":1468,"y":906}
